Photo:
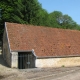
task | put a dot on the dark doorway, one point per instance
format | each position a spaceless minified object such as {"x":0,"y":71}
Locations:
{"x":26,"y":60}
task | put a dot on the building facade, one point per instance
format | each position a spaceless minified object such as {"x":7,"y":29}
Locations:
{"x":28,"y":46}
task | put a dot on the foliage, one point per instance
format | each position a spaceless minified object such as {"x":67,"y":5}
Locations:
{"x":57,"y":19}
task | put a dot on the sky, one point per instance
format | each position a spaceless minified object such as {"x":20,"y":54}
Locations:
{"x":70,"y":7}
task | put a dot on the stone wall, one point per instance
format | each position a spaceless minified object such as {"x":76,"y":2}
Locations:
{"x":6,"y":50}
{"x":58,"y":62}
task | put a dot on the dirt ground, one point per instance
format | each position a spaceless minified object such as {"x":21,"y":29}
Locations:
{"x":63,"y":73}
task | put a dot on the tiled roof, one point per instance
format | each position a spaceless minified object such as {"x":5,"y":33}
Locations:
{"x":44,"y":40}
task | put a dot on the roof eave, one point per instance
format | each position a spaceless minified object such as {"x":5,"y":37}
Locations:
{"x":25,"y":51}
{"x":65,"y":56}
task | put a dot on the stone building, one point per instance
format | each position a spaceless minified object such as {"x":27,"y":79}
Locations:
{"x":28,"y":46}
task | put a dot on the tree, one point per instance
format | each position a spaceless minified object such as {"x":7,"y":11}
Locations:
{"x":55,"y":18}
{"x":20,"y":11}
{"x":42,"y":17}
{"x":67,"y":22}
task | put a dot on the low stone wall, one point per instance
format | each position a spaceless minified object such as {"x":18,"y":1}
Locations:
{"x":58,"y":62}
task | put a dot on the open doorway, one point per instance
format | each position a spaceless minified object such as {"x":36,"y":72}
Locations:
{"x":26,"y":60}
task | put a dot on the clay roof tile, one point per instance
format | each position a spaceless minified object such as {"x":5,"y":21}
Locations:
{"x":45,"y":41}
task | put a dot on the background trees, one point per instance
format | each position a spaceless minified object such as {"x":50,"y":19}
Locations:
{"x":57,"y":19}
{"x":31,"y":12}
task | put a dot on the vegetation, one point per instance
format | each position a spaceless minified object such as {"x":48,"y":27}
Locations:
{"x":31,"y":12}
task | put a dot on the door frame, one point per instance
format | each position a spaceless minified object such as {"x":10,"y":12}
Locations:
{"x":25,"y":61}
